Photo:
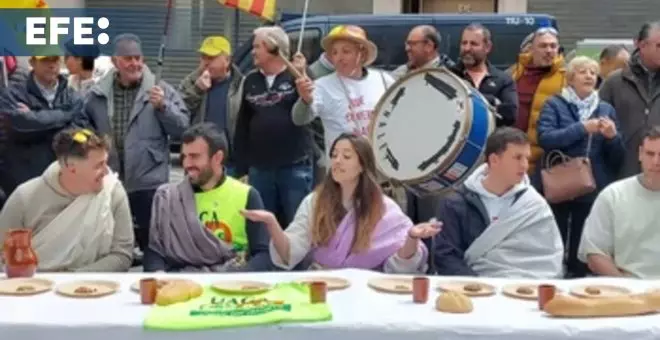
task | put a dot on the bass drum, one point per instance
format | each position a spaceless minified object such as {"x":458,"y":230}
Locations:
{"x":429,"y":130}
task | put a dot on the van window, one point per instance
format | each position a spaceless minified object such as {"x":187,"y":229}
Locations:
{"x":390,"y":41}
{"x":311,"y":47}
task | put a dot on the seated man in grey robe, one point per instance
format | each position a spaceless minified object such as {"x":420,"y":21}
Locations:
{"x":497,"y":224}
{"x":77,"y":210}
{"x":196,"y":224}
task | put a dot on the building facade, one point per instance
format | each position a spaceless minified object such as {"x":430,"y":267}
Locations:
{"x":195,"y":19}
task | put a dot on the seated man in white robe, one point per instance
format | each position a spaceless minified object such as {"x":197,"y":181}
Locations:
{"x":621,"y":235}
{"x":77,"y":210}
{"x":496,"y":224}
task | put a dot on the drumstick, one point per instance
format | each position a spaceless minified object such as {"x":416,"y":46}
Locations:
{"x":276,"y":50}
{"x":302,"y":26}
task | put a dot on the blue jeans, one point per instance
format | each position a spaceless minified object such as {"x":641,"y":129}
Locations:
{"x":283,"y":189}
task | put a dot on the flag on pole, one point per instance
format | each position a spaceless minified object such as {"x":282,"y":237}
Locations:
{"x":23,"y":4}
{"x":262,"y":8}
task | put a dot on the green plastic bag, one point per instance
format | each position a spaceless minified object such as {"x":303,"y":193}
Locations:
{"x":288,"y":302}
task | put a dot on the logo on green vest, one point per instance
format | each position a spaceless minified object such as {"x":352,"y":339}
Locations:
{"x":247,"y":306}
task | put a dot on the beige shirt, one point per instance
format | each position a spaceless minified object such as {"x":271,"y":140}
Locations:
{"x":624,"y":225}
{"x":37,"y":202}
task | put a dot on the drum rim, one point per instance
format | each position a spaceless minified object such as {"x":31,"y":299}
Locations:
{"x":453,"y":155}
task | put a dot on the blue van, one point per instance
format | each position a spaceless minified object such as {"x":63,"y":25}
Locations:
{"x":389,"y":33}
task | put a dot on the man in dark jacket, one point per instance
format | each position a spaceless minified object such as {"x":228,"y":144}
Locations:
{"x":634,"y":91}
{"x":495,"y":85}
{"x":275,"y":152}
{"x":34,"y":111}
{"x":497,"y":225}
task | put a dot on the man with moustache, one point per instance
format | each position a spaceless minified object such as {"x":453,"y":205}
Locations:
{"x":197,"y":225}
{"x":539,"y":74}
{"x":422,"y":49}
{"x":141,"y":116}
{"x":495,"y":85}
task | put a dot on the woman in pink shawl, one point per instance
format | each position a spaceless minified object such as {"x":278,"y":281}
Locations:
{"x":347,"y":222}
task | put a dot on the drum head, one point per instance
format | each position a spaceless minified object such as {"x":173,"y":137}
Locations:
{"x":419,"y":124}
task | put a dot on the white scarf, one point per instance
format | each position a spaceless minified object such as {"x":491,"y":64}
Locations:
{"x":585,"y":106}
{"x":85,"y":229}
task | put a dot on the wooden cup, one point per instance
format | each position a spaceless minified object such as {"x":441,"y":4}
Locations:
{"x":421,"y":289}
{"x":318,"y":291}
{"x":546,"y":293}
{"x":148,"y":291}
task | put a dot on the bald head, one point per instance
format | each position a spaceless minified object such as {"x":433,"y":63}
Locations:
{"x":422,"y":45}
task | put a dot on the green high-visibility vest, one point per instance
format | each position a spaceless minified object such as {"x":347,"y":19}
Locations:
{"x":286,"y":302}
{"x":219,"y":210}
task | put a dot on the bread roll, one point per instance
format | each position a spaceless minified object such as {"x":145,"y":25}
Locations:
{"x":178,"y":291}
{"x":453,"y":302}
{"x":569,"y":306}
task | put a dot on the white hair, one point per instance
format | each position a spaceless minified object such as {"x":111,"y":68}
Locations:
{"x":581,"y":62}
{"x":274,"y":36}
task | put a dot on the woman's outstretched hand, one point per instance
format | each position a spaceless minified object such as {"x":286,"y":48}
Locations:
{"x":262,"y":216}
{"x":425,"y":230}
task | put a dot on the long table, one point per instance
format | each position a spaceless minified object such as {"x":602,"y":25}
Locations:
{"x":359,"y":313}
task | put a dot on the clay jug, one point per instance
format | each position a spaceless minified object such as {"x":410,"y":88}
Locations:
{"x":19,"y":257}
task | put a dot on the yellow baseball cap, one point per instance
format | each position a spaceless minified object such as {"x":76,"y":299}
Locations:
{"x":215,"y":46}
{"x":42,"y":57}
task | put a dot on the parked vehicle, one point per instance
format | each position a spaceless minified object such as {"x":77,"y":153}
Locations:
{"x":389,"y":33}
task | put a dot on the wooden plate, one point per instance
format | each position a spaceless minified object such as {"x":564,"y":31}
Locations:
{"x":395,"y":285}
{"x":95,"y":288}
{"x":241,"y":287}
{"x":135,"y":287}
{"x":334,"y":283}
{"x":25,"y":286}
{"x":522,"y":291}
{"x":602,"y":291}
{"x":465,"y":287}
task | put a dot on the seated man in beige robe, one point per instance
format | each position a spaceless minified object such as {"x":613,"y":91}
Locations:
{"x":77,"y":210}
{"x":621,"y":234}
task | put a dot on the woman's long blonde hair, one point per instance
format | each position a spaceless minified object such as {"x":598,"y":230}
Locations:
{"x":368,"y":203}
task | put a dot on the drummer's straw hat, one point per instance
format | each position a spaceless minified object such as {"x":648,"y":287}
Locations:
{"x":355,"y":34}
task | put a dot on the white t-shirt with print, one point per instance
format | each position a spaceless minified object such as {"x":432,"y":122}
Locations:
{"x":338,"y":115}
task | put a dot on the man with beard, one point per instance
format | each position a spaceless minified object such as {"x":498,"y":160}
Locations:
{"x":422,"y":47}
{"x":495,"y":85}
{"x":196,"y":224}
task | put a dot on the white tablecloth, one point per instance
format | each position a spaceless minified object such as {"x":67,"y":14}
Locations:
{"x":358,"y":313}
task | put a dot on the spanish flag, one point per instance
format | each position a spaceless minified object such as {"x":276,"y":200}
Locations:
{"x":23,"y":4}
{"x":262,"y":8}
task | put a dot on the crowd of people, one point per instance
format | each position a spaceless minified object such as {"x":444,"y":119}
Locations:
{"x":85,"y":161}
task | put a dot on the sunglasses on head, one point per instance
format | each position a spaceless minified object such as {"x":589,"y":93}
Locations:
{"x":545,"y":30}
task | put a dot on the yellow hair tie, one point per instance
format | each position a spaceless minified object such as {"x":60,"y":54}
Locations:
{"x":80,"y":137}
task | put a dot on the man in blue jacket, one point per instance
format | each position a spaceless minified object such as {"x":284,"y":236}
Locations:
{"x":33,"y":111}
